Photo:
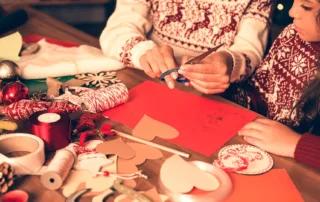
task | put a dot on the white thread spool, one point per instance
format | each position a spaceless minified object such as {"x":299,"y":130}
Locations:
{"x":58,"y":169}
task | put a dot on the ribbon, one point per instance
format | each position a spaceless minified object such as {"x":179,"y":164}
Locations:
{"x":240,"y":163}
{"x":52,"y":128}
{"x":123,"y":176}
{"x":105,"y":131}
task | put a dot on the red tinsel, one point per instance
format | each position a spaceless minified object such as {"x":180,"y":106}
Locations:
{"x":86,"y":121}
{"x":105,"y":131}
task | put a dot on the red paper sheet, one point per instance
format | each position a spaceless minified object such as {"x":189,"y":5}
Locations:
{"x":273,"y":186}
{"x":35,"y":38}
{"x":204,"y":125}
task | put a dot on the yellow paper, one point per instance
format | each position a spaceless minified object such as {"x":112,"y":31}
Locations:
{"x":10,"y":47}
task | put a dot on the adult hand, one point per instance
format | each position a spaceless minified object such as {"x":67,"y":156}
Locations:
{"x":271,"y":136}
{"x":159,"y":60}
{"x":212,"y":75}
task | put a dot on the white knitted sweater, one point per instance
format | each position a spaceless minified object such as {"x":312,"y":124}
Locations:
{"x":190,"y":27}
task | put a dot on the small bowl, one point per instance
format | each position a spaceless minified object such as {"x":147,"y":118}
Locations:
{"x":197,"y":195}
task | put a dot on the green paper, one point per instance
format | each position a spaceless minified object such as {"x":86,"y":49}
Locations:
{"x":37,"y":85}
{"x":10,"y":47}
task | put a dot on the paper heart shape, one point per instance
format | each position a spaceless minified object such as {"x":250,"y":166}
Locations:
{"x":126,"y":167}
{"x":179,"y":176}
{"x":149,"y":128}
{"x":118,"y":147}
{"x":97,"y":184}
{"x":143,"y":152}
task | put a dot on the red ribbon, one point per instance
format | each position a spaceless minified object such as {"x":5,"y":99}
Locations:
{"x":55,"y":135}
{"x":243,"y":164}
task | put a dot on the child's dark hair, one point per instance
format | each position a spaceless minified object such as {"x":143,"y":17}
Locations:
{"x":310,"y":101}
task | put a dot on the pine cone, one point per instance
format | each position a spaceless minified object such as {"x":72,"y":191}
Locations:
{"x":6,"y":177}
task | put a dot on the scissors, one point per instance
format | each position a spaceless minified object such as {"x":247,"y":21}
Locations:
{"x":196,"y":60}
{"x":117,"y":187}
{"x":76,"y":195}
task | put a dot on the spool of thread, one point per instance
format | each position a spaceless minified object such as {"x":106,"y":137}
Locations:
{"x":105,"y":98}
{"x":13,"y":20}
{"x":53,"y":128}
{"x":58,"y":169}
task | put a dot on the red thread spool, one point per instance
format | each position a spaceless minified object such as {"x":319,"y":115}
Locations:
{"x":53,"y":128}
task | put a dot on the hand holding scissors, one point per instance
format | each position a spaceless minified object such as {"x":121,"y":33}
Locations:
{"x":181,"y":78}
{"x":211,"y":75}
{"x":159,"y":60}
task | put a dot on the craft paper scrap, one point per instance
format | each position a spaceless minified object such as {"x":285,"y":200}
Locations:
{"x":204,"y":125}
{"x":275,"y":186}
{"x":10,"y":47}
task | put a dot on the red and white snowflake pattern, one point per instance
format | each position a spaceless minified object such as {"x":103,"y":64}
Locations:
{"x":125,"y":55}
{"x":279,"y":81}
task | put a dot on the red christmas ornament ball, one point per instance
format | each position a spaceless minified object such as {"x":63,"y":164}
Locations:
{"x":13,"y":92}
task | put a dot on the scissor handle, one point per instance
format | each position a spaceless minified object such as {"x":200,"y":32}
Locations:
{"x":180,"y":79}
{"x":168,"y":72}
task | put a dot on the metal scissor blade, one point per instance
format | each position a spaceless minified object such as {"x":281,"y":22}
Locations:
{"x":73,"y":197}
{"x":203,"y":55}
{"x":104,"y":195}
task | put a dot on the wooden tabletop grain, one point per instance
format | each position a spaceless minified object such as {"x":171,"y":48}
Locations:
{"x":306,"y":179}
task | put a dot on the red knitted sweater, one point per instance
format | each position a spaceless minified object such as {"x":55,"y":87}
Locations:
{"x":276,"y":87}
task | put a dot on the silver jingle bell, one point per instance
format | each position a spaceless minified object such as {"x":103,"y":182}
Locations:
{"x":8,"y":70}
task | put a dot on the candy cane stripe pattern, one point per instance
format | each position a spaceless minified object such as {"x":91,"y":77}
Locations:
{"x":23,"y":109}
{"x":105,"y":98}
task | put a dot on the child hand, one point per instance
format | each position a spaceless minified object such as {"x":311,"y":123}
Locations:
{"x":212,"y":76}
{"x":271,"y":136}
{"x":157,"y":61}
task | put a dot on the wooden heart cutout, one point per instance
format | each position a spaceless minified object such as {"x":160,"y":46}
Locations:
{"x":149,"y":128}
{"x":118,"y":147}
{"x":179,"y":176}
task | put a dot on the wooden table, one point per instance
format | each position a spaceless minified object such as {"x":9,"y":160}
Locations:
{"x":306,"y":179}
